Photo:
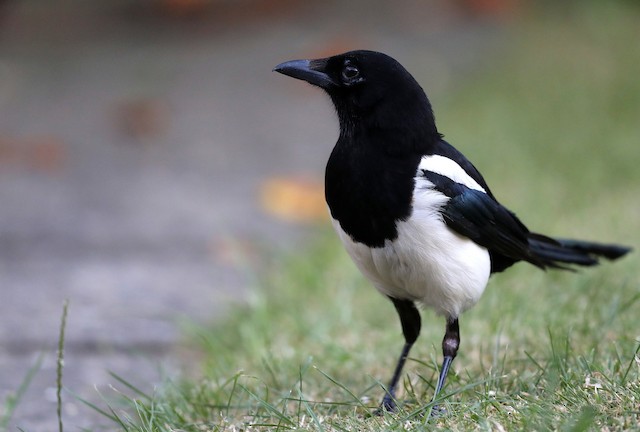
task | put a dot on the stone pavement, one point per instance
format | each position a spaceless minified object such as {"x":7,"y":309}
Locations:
{"x":133,"y":142}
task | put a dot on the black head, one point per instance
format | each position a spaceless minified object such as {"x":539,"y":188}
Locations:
{"x":367,"y":86}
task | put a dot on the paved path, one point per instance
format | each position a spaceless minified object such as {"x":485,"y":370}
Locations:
{"x":132,"y":148}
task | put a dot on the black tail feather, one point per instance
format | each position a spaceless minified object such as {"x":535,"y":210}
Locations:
{"x":609,"y":251}
{"x":555,"y":253}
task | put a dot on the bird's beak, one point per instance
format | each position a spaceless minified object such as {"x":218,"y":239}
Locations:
{"x":311,"y":71}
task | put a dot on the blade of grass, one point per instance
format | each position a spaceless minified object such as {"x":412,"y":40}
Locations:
{"x":269,"y":407}
{"x":634,"y":359}
{"x":342,"y":386}
{"x":130,"y":386}
{"x":13,"y":401}
{"x":60,"y":364}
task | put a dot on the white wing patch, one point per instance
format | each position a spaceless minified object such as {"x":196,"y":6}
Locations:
{"x":428,"y":262}
{"x":449,"y":168}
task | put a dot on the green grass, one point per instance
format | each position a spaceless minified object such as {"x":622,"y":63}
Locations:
{"x":554,"y":125}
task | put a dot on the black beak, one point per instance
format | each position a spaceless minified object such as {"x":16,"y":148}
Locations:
{"x":311,"y":71}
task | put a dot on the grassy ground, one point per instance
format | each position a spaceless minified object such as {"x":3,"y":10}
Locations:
{"x":554,"y":125}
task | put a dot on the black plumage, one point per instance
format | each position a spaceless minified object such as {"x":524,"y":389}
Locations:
{"x":415,"y":215}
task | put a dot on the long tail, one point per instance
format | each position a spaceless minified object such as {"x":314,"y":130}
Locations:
{"x":556,"y":253}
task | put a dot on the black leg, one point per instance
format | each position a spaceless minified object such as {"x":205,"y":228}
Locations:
{"x":410,"y":321}
{"x":450,"y":345}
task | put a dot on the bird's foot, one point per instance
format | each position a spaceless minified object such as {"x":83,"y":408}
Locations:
{"x":388,"y":405}
{"x":438,"y":411}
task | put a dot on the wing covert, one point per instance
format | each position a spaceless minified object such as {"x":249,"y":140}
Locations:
{"x":478,"y":216}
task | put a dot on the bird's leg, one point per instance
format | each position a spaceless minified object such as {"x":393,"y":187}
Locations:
{"x":450,"y":345}
{"x":410,"y":321}
{"x":389,"y":400}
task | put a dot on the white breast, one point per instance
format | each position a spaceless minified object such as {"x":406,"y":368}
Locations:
{"x":427,"y":262}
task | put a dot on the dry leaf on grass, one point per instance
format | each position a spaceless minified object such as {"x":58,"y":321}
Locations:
{"x":294,"y":199}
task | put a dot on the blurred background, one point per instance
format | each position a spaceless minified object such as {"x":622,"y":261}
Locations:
{"x":150,"y":160}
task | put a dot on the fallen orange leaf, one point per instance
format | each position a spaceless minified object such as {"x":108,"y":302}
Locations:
{"x":294,"y":199}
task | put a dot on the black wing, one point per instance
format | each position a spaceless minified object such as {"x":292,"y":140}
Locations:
{"x":478,"y":216}
{"x":484,"y":220}
{"x":445,"y":149}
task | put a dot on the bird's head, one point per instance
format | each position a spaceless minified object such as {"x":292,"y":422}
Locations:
{"x":369,"y":87}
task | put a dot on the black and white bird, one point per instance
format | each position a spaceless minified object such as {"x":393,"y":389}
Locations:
{"x":414,"y":214}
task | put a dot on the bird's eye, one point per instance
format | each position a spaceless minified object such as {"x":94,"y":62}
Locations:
{"x":350,"y":73}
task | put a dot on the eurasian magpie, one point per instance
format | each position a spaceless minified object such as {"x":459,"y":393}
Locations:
{"x":414,"y":214}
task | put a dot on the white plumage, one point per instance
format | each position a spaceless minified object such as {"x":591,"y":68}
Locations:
{"x":449,"y":168}
{"x":409,"y":228}
{"x":427,"y":262}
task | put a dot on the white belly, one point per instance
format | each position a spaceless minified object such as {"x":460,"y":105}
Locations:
{"x":427,"y":262}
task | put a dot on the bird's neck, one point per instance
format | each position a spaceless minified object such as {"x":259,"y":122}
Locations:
{"x":394,"y":140}
{"x":404,"y":130}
